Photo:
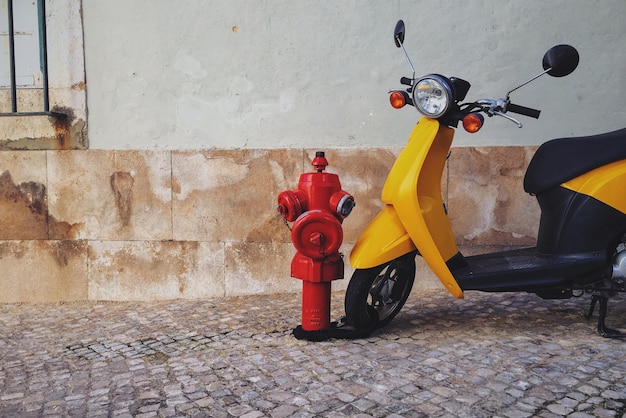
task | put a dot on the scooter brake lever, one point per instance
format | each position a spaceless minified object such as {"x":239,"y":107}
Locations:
{"x":515,"y":121}
{"x":494,"y":108}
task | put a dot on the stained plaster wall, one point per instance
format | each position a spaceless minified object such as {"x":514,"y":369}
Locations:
{"x":292,"y":74}
{"x":199,"y":116}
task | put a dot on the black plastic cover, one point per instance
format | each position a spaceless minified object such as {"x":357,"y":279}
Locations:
{"x":573,"y":223}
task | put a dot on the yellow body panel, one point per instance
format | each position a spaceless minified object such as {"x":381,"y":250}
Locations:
{"x":421,"y":215}
{"x":605,"y":184}
{"x":384,"y":239}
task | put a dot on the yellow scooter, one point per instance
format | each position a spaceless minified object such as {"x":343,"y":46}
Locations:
{"x":580,"y":185}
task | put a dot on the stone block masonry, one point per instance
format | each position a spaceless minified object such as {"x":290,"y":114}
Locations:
{"x":158,"y":225}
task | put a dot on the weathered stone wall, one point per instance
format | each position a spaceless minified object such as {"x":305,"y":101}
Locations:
{"x":198,"y":117}
{"x":145,"y":225}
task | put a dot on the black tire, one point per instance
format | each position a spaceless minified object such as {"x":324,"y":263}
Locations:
{"x":376,"y":295}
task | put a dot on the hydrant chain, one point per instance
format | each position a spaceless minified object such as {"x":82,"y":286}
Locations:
{"x":285,"y":222}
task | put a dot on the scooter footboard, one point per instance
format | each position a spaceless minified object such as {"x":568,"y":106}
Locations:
{"x":384,"y":239}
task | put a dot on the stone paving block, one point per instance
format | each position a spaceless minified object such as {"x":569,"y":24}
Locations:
{"x":236,"y":357}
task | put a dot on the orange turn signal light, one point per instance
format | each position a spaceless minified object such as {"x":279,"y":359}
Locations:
{"x":397,"y":99}
{"x":472,"y":122}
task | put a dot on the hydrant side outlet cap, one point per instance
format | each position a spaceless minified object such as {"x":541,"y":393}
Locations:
{"x":317,"y":234}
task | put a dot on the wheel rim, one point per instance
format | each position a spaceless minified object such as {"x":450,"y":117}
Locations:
{"x":386,"y":292}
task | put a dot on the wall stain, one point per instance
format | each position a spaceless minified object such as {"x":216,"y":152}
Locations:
{"x":23,"y":208}
{"x":25,"y":212}
{"x":9,"y":248}
{"x":31,"y":194}
{"x":122,"y":184}
{"x":175,"y":186}
{"x":63,"y":230}
{"x":154,"y":267}
{"x":70,"y":133}
{"x":62,"y":132}
{"x":78,"y":86}
{"x":273,"y":229}
{"x":64,"y":251}
{"x":67,"y":132}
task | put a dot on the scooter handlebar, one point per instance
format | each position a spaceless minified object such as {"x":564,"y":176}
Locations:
{"x":406,"y":81}
{"x":523,"y":110}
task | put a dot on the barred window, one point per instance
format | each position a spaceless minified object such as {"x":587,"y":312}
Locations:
{"x":50,"y":93}
{"x":24,"y":62}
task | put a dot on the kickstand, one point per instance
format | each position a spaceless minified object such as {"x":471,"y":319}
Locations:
{"x":602,"y":328}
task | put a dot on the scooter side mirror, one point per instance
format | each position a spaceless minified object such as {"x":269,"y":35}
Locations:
{"x":398,"y":37}
{"x":560,"y":60}
{"x":398,"y":33}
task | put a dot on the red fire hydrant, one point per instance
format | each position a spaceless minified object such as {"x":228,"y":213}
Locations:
{"x":317,"y":209}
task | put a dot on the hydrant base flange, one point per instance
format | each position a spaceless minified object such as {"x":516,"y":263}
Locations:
{"x":336,"y":331}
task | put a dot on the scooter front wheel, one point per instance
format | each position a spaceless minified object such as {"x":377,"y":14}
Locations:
{"x":375,"y":296}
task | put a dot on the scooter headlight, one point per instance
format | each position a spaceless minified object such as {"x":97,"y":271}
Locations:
{"x":432,"y":95}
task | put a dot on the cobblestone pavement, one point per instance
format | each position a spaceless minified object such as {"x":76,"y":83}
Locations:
{"x":507,"y":355}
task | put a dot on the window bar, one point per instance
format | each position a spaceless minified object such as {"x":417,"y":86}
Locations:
{"x":43,"y":43}
{"x":12,"y":57}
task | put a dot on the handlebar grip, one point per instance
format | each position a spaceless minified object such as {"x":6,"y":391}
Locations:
{"x":523,"y":110}
{"x":406,"y":81}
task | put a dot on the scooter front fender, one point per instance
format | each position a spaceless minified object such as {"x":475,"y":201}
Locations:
{"x":414,"y":215}
{"x":384,"y":239}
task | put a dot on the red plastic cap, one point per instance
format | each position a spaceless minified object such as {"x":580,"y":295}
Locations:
{"x":319,"y":162}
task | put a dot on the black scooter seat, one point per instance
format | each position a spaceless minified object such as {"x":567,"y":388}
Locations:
{"x":560,"y":160}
